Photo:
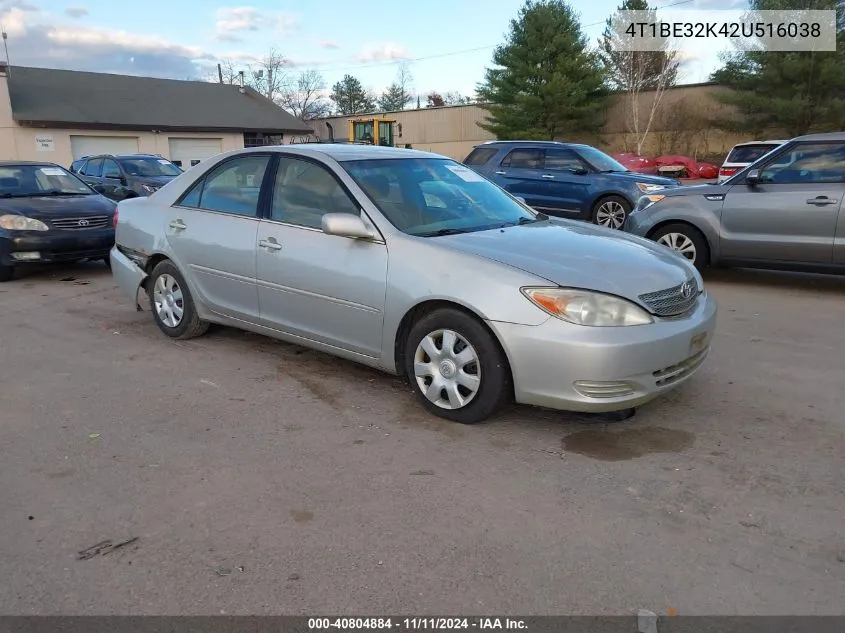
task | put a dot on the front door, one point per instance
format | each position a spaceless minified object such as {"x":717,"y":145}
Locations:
{"x":322,"y":287}
{"x":213,"y":232}
{"x":790,"y":215}
{"x":113,"y":182}
{"x":567,"y":179}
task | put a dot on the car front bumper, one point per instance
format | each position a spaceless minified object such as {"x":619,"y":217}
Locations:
{"x":600,"y":369}
{"x":32,"y":247}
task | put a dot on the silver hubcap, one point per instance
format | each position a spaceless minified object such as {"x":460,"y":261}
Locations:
{"x":610,"y":214}
{"x":167,"y":296}
{"x":447,"y":369}
{"x":680,"y":243}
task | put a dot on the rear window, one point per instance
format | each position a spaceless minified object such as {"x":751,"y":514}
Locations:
{"x":749,"y":153}
{"x":480,"y":155}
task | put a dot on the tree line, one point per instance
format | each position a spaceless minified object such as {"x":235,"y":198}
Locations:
{"x":306,"y":96}
{"x":548,"y":82}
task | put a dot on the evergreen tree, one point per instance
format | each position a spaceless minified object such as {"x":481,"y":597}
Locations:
{"x":350,"y":97}
{"x":398,"y":94}
{"x":797,"y":92}
{"x":546,"y":83}
{"x":635,"y":70}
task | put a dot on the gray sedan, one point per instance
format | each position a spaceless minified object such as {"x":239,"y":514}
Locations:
{"x":411,"y":263}
{"x":784,"y":211}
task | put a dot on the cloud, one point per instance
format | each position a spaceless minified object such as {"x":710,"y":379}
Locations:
{"x":230,"y":22}
{"x":76,"y":12}
{"x":36,"y":43}
{"x":718,"y":4}
{"x":330,"y":44}
{"x":382,"y":52}
{"x":20,"y":5}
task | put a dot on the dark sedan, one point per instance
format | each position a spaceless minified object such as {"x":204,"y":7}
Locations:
{"x":47,"y":214}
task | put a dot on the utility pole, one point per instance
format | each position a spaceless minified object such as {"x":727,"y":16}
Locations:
{"x":220,"y":72}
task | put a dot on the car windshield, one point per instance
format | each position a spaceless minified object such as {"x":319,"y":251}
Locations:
{"x":749,"y":153}
{"x":600,"y":160}
{"x":27,"y":181}
{"x":431,"y":196}
{"x":149,"y":166}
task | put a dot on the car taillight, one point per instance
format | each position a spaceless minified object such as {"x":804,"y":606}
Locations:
{"x":114,"y":219}
{"x":727,"y":171}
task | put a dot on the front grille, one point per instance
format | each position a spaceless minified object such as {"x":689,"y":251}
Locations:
{"x":82,"y":223}
{"x":673,"y":301}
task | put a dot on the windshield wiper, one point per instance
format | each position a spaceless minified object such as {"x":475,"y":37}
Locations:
{"x":444,"y":232}
{"x":56,"y":192}
{"x":541,"y":217}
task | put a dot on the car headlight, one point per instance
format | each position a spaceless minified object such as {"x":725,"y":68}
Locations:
{"x":646,"y":201}
{"x":12,"y":222}
{"x":648,"y":187}
{"x":149,"y":188}
{"x":584,"y":307}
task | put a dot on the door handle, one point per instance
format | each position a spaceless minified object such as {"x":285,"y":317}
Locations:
{"x":821,"y":200}
{"x":500,"y":173}
{"x":178,"y":225}
{"x":273,"y":245}
{"x":548,"y":176}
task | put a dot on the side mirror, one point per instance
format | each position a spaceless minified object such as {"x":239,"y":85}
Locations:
{"x":579,"y":171}
{"x":752,"y":177}
{"x":521,"y":199}
{"x":346,"y":225}
{"x":99,"y":189}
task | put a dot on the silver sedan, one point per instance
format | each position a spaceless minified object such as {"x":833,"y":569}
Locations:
{"x":411,"y":263}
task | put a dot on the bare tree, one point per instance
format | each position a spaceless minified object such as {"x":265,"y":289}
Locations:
{"x":643,"y":75}
{"x":269,"y":75}
{"x":304,"y":96}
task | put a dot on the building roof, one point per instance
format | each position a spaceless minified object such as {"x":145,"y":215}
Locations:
{"x":45,"y":96}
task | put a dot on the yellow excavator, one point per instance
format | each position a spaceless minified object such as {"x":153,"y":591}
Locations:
{"x":372,"y":132}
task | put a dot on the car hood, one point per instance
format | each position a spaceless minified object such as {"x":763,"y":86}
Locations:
{"x":698,"y":190}
{"x":632,"y":176}
{"x":57,"y":206}
{"x":578,"y":255}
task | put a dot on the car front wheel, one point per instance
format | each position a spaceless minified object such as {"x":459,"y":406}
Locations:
{"x":172,"y":305}
{"x":457,"y":367}
{"x":686,"y":241}
{"x":611,"y":212}
{"x":6,"y":273}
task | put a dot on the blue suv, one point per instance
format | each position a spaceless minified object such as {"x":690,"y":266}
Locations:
{"x":565,"y":179}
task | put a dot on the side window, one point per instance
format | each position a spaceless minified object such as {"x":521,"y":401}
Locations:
{"x":80,"y":166}
{"x":480,"y":155}
{"x":94,"y":167}
{"x":563,"y":160}
{"x":110,"y":169}
{"x":305,"y":191}
{"x":807,"y":163}
{"x":192,"y":198}
{"x":233,"y":187}
{"x":524,"y":159}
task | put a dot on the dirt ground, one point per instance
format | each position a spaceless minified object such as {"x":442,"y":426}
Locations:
{"x":260,"y":478}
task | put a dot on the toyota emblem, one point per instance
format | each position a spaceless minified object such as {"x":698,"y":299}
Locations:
{"x":686,"y":290}
{"x":83,"y":223}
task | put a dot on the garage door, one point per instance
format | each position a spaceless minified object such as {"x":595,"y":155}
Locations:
{"x":187,"y":152}
{"x":91,"y":145}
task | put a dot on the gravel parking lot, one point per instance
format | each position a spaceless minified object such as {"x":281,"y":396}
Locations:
{"x":258,"y":477}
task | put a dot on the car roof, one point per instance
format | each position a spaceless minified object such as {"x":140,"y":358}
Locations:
{"x":772,"y":142}
{"x":21,"y":163}
{"x":345,"y":152}
{"x":826,"y":136}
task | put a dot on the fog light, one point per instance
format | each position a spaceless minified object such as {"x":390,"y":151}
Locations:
{"x":603,"y":389}
{"x":26,"y":255}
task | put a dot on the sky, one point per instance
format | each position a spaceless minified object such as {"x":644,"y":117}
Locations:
{"x":447,"y":43}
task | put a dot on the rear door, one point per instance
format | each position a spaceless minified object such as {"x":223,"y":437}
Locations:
{"x":791,"y":214}
{"x":213,"y":231}
{"x":519,"y":174}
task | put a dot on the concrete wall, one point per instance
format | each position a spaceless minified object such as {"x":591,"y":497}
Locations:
{"x":679,"y":126}
{"x":19,"y":143}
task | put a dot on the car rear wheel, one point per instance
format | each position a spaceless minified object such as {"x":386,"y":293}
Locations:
{"x":686,"y":241}
{"x":457,"y":367}
{"x":172,"y":305}
{"x":611,"y":212}
{"x":6,"y":273}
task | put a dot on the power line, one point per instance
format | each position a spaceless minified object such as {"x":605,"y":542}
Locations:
{"x":464,"y":51}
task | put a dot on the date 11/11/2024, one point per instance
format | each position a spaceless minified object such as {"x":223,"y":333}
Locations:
{"x":415,"y":624}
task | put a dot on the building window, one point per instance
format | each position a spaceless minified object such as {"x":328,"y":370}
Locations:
{"x":259,"y":139}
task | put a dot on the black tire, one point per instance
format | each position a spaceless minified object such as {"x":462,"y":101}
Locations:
{"x":6,"y":273}
{"x":701,"y":256}
{"x":191,"y":326}
{"x":620,"y":206}
{"x":495,"y":388}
